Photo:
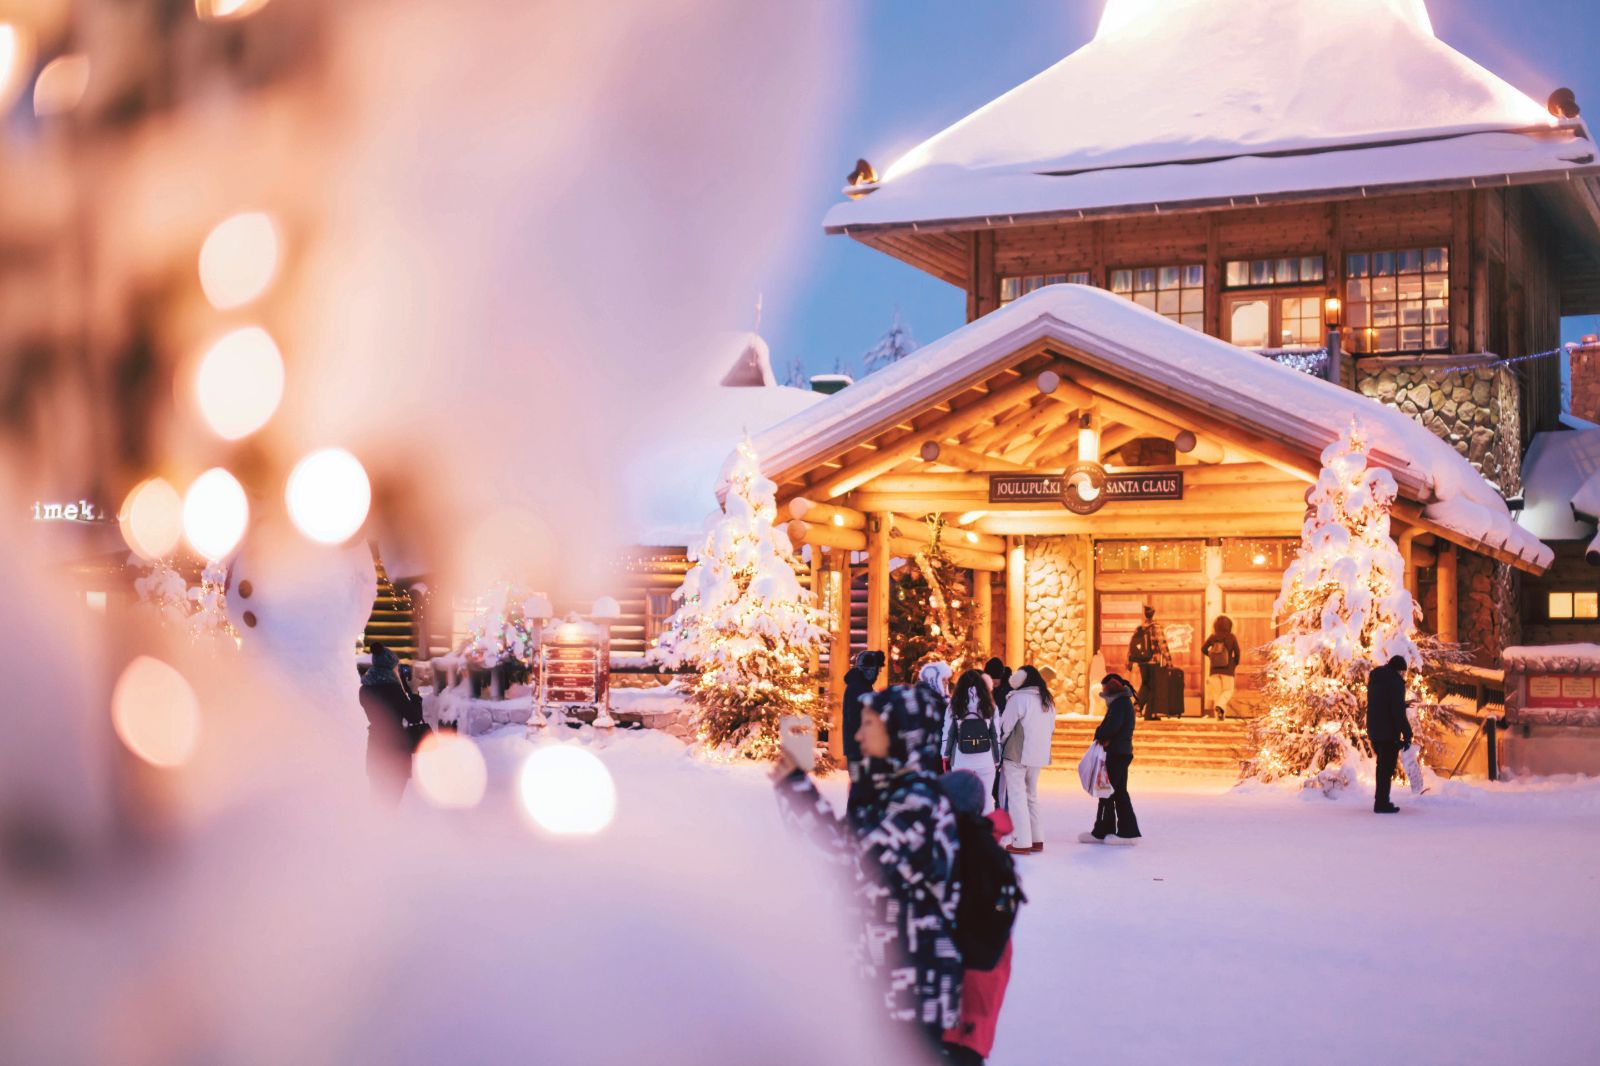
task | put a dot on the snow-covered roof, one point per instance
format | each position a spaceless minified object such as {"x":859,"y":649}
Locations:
{"x":672,"y":484}
{"x":1560,"y":473}
{"x":1182,"y":101}
{"x":1136,"y":345}
{"x":1554,"y":658}
{"x":751,"y":367}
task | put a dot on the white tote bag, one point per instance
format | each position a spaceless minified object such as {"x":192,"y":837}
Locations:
{"x":1413,"y":767}
{"x":1092,"y":772}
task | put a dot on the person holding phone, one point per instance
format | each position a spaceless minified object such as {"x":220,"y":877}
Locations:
{"x":394,"y":725}
{"x":899,"y":844}
{"x":1388,"y":727}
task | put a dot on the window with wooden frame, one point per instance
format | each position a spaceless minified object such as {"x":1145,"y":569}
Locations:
{"x":1175,"y":292}
{"x":1572,"y":606}
{"x":1012,"y":288}
{"x":657,"y":609}
{"x":1274,"y":303}
{"x":1398,"y":301}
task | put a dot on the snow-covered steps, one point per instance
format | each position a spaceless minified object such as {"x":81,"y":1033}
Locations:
{"x":1171,"y":743}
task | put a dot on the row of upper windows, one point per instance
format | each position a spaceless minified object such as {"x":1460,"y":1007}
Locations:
{"x":1395,"y":301}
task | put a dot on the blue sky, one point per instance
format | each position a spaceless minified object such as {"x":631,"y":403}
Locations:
{"x":921,"y":64}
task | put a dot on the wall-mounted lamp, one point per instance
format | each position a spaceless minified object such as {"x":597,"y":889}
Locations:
{"x":1330,"y":312}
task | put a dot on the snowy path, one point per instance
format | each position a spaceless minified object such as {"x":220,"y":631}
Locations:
{"x":1262,"y":927}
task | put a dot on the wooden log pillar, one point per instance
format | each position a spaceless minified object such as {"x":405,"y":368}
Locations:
{"x":983,"y":603}
{"x":837,"y":576}
{"x":983,"y":284}
{"x":878,"y":525}
{"x":1448,"y":629}
{"x":1016,"y":603}
{"x":1406,"y":544}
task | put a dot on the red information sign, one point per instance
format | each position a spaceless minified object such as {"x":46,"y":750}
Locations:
{"x":1562,"y":691}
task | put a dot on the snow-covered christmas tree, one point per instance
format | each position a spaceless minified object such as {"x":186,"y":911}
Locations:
{"x":892,"y":347}
{"x":931,"y":613}
{"x":1343,"y":609}
{"x":745,"y":624}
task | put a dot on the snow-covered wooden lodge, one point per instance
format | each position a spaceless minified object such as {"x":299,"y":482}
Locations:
{"x":1156,"y":280}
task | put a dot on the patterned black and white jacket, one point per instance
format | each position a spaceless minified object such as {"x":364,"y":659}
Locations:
{"x":900,"y":847}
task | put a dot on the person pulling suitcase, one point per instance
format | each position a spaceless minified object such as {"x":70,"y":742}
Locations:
{"x":1148,"y":649}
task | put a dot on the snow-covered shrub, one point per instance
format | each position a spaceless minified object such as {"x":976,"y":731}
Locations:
{"x":745,"y":624}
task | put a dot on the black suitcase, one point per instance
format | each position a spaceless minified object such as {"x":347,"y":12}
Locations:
{"x":1166,"y":691}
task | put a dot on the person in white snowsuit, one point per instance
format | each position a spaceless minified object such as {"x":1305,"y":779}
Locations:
{"x":900,"y":842}
{"x":1027,"y":726}
{"x":972,"y":706}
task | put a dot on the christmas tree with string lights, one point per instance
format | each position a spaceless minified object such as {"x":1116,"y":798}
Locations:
{"x":745,"y":625}
{"x":1343,"y":609}
{"x":931,"y":612}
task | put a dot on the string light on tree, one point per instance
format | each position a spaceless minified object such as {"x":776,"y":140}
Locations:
{"x":930,"y":615}
{"x":745,"y":624}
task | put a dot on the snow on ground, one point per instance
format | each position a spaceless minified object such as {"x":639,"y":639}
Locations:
{"x":1253,"y":925}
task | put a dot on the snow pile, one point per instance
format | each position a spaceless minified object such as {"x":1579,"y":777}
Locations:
{"x":1191,"y":370}
{"x":1553,"y":658}
{"x":1255,"y":79}
{"x":1560,"y":474}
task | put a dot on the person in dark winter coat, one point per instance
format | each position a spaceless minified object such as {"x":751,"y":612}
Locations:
{"x":1148,"y":649}
{"x":900,"y":845}
{"x":1114,"y":821}
{"x":1000,"y":674}
{"x":1388,"y":728}
{"x":394,"y":725}
{"x":858,"y":684}
{"x":983,"y":992}
{"x":1221,"y":655}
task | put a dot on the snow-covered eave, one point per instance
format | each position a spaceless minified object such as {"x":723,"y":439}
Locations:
{"x":1000,"y":219}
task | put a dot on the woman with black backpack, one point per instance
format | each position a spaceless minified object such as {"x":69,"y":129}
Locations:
{"x":969,"y":734}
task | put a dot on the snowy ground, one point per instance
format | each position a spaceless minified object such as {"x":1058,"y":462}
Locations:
{"x":1259,"y":926}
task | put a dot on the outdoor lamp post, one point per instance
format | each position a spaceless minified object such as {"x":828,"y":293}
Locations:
{"x":1330,"y":319}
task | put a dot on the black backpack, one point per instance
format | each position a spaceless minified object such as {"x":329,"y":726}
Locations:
{"x":990,"y":894}
{"x":1142,"y":649}
{"x":973,"y":735}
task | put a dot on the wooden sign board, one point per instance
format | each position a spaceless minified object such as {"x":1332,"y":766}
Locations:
{"x":1046,"y":488}
{"x":1562,"y":691}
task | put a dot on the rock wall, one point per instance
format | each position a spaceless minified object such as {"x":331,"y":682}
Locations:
{"x":1476,"y":411}
{"x":1057,"y":613}
{"x":1487,"y":610}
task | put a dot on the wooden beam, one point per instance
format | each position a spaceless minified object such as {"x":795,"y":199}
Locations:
{"x":1016,"y":603}
{"x":838,"y":577}
{"x":1447,"y":575}
{"x":829,"y":536}
{"x":878,"y":582}
{"x":971,"y":559}
{"x":1410,"y":513}
{"x":824,"y":514}
{"x":892,"y":455}
{"x":933,"y":451}
{"x":1075,"y":395}
{"x":983,"y":607}
{"x":1016,"y":426}
{"x":914,"y":528}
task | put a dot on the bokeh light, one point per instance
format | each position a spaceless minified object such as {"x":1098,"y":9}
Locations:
{"x":215,"y":513}
{"x":240,"y":382}
{"x":152,"y":518}
{"x":449,"y":771}
{"x":567,"y":790}
{"x":61,"y":85}
{"x":155,"y":713}
{"x":222,"y":10}
{"x":328,"y":495}
{"x":16,"y":56}
{"x":239,"y":259}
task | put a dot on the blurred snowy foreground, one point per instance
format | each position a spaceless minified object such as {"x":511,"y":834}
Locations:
{"x":1250,"y":926}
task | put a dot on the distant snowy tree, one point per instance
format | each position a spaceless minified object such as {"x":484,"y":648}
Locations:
{"x":745,"y":625}
{"x":1343,"y":609}
{"x":796,"y":377}
{"x":892,"y":347}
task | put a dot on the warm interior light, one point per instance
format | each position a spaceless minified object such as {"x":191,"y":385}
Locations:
{"x":567,"y":790}
{"x":328,"y":495}
{"x":240,"y":382}
{"x":60,"y":85}
{"x":155,"y":713}
{"x":1330,"y":312}
{"x":1259,"y":559}
{"x":16,"y":57}
{"x":239,"y":259}
{"x":152,"y":519}
{"x":215,"y":513}
{"x":1144,"y":547}
{"x":220,"y":10}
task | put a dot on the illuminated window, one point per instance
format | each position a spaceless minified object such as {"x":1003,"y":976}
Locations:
{"x":1398,"y":301}
{"x":1175,"y":292}
{"x":657,"y":609}
{"x":1255,"y":273}
{"x":1011,"y":288}
{"x":1263,"y":555}
{"x":1573,"y":606}
{"x":1114,"y":556}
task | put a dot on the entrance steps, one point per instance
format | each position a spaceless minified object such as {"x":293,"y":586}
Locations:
{"x":1168,"y":744}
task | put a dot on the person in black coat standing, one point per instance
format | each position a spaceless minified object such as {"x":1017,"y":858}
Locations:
{"x":1388,"y":728}
{"x":999,"y":675}
{"x":858,"y":683}
{"x":394,"y":725}
{"x":1114,"y":822}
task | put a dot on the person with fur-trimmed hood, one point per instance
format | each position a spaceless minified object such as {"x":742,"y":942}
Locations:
{"x":900,"y":845}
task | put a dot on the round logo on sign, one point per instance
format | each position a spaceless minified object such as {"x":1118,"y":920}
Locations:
{"x":1083,"y":488}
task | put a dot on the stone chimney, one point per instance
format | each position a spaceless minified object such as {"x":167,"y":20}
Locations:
{"x":1584,"y":360}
